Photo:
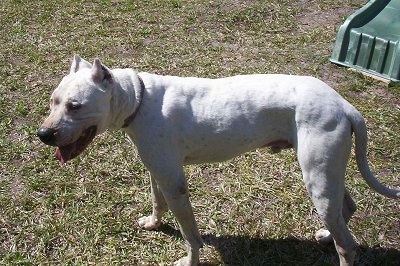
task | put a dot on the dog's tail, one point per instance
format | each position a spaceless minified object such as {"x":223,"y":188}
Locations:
{"x":360,"y":132}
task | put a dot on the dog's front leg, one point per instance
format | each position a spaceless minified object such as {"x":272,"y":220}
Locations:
{"x":177,"y":197}
{"x":159,"y":208}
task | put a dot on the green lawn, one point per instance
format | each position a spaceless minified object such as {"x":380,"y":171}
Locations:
{"x":252,"y":210}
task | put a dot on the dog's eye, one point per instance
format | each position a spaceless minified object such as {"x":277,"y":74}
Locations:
{"x":73,"y":106}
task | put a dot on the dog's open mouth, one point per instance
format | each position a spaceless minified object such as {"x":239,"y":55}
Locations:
{"x":70,"y":151}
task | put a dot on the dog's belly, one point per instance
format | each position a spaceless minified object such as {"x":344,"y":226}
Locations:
{"x":219,"y":155}
{"x":223,"y":133}
{"x":224,"y":145}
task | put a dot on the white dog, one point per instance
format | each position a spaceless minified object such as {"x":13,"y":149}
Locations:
{"x":176,"y":121}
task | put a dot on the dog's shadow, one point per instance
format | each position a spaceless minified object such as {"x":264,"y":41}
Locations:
{"x":242,"y":250}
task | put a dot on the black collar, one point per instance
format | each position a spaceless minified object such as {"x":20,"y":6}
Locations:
{"x":130,"y":118}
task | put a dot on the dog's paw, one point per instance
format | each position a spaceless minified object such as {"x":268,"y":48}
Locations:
{"x":323,"y":236}
{"x":149,"y":222}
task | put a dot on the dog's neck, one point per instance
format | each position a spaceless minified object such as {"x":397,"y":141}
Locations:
{"x":139,"y":96}
{"x":126,"y":99}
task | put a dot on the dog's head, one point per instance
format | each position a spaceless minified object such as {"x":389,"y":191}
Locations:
{"x":79,"y":109}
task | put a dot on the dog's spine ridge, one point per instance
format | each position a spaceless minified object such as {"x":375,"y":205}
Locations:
{"x":360,"y":131}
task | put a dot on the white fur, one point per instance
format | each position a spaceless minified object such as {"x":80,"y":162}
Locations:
{"x":196,"y":120}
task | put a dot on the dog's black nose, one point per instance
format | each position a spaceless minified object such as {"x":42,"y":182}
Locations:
{"x":47,"y":135}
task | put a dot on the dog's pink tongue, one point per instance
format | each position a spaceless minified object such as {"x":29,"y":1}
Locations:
{"x":63,"y":154}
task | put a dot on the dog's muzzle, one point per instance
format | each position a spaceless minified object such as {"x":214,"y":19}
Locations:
{"x":47,"y":135}
{"x":68,"y":151}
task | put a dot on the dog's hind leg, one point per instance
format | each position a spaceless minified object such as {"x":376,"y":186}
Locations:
{"x":328,"y":199}
{"x":323,"y":159}
{"x":159,"y":208}
{"x":348,"y":209}
{"x":349,"y":206}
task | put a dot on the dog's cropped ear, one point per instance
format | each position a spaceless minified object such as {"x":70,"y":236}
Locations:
{"x":79,"y":63}
{"x":100,"y":72}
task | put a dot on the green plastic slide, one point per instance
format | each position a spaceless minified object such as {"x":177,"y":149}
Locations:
{"x":369,"y":40}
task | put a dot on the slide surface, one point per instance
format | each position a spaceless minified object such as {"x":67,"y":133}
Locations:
{"x":369,"y":40}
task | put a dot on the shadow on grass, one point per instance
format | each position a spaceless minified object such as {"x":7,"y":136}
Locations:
{"x":242,"y":250}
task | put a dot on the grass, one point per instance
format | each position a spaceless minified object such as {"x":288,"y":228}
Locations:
{"x":252,"y":210}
